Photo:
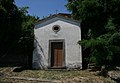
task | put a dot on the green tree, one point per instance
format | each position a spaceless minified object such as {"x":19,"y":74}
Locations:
{"x":16,"y":29}
{"x":100,"y":29}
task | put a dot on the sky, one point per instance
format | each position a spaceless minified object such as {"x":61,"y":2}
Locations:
{"x":42,"y":8}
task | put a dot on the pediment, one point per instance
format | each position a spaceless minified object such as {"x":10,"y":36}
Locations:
{"x":55,"y":18}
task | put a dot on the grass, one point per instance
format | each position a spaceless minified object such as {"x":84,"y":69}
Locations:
{"x":83,"y":75}
{"x":46,"y":74}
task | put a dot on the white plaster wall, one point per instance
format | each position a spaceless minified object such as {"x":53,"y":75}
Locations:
{"x":70,"y":32}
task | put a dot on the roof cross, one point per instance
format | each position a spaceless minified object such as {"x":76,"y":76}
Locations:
{"x":56,"y":11}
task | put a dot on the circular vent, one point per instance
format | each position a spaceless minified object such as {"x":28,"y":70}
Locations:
{"x":56,"y":28}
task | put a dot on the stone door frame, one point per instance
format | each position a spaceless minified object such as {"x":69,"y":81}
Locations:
{"x":50,"y":56}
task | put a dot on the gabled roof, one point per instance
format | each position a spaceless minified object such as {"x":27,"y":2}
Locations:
{"x":61,"y":15}
{"x":52,"y":18}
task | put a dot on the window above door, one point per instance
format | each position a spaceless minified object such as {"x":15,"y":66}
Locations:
{"x":56,"y":28}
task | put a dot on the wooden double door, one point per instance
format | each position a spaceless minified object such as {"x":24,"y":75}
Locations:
{"x":57,"y":54}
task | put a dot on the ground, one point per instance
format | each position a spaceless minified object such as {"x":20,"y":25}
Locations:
{"x":16,"y":75}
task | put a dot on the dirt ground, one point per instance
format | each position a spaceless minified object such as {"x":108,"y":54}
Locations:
{"x":18,"y":75}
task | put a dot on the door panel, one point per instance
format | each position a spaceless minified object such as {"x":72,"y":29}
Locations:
{"x":55,"y":57}
{"x":60,"y":55}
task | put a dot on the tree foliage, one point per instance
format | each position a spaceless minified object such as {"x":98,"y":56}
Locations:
{"x":16,"y":29}
{"x":100,"y":29}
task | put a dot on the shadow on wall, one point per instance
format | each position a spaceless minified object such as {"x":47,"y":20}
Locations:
{"x":17,"y":60}
{"x":38,"y":56}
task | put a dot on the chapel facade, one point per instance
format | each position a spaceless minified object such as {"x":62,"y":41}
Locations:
{"x":56,"y":43}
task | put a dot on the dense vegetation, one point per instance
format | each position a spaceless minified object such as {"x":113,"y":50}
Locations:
{"x":100,"y":29}
{"x":16,"y":29}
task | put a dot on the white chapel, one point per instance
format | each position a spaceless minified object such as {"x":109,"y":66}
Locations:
{"x":56,"y":43}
